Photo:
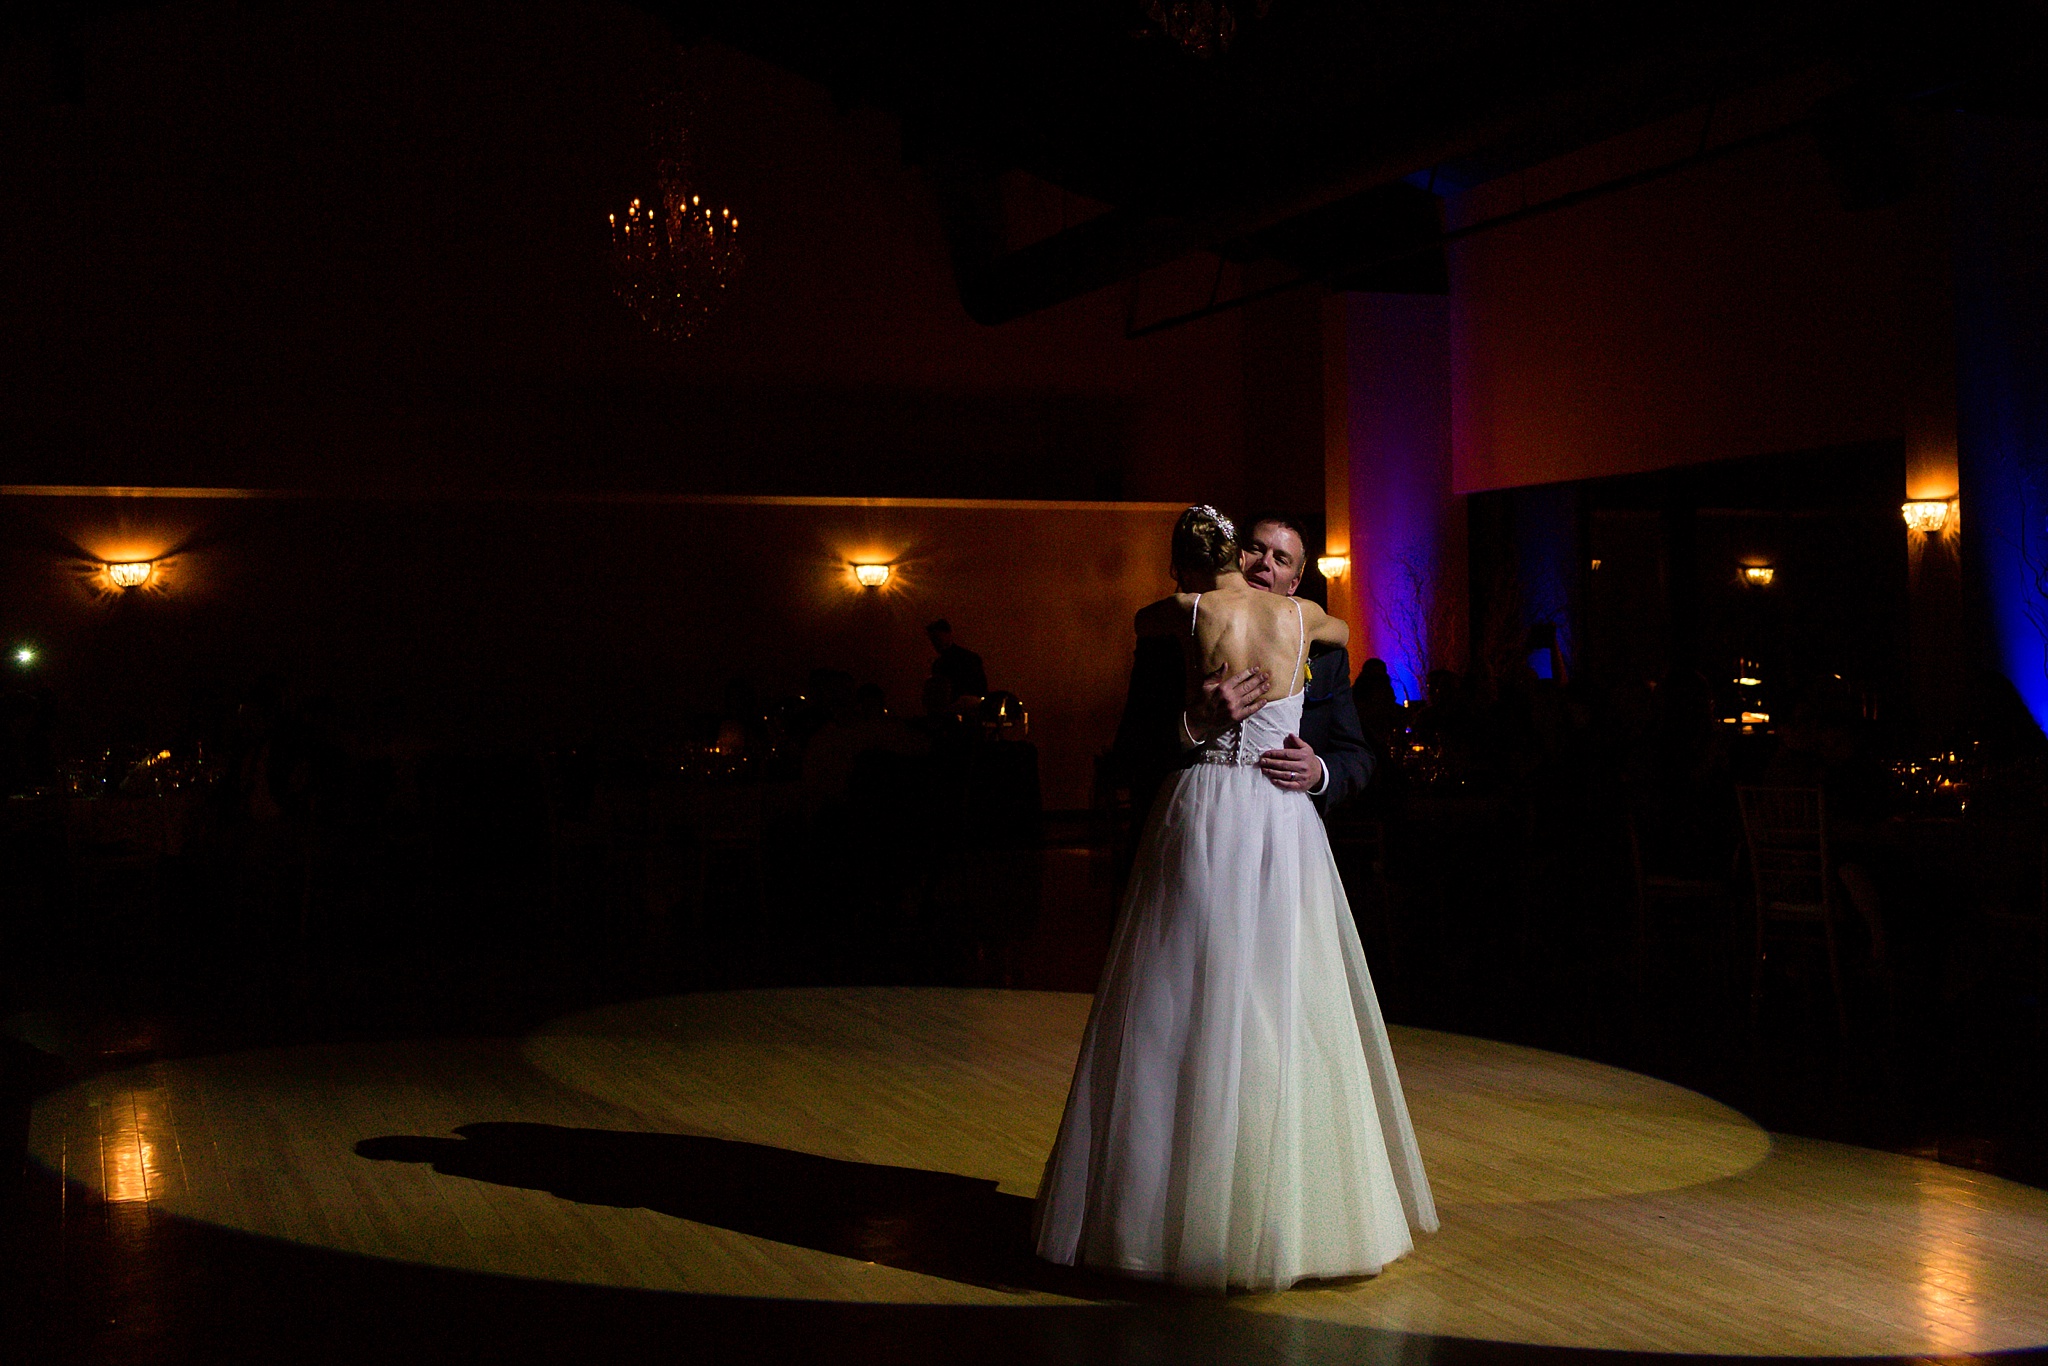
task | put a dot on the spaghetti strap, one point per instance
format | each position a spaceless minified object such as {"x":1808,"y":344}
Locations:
{"x":1195,"y":615}
{"x":1301,"y":649}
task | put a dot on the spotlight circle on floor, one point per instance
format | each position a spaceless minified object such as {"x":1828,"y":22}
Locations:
{"x":684,"y":1144}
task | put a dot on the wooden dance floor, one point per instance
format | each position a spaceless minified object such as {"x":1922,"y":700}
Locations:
{"x":880,"y":1145}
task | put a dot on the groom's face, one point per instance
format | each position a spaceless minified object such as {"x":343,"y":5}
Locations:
{"x":1271,"y":559}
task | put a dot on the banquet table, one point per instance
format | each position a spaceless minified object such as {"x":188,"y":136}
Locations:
{"x":152,"y":826}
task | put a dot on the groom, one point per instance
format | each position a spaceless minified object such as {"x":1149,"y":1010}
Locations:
{"x":1328,"y":759}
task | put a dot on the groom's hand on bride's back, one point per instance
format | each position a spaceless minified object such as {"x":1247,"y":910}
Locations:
{"x":1226,"y":699}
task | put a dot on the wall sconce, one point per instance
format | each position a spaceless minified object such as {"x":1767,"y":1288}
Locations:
{"x":871,"y":575}
{"x":133,"y":574}
{"x":1596,"y":566}
{"x":1333,"y":566}
{"x":1758,"y":575}
{"x":1926,"y":517}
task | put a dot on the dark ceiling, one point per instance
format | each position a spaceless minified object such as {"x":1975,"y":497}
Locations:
{"x":1295,"y":144}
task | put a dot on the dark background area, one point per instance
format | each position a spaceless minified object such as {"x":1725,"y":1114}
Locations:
{"x":448,"y":649}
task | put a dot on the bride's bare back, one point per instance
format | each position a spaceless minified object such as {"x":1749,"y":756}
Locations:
{"x":1238,"y":627}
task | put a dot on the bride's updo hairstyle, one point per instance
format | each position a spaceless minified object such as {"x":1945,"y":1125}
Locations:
{"x":1205,"y":540}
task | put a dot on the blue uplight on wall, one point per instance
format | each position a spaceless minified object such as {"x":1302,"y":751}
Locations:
{"x":2001,"y":198}
{"x":1404,"y":556}
{"x":2005,"y":457}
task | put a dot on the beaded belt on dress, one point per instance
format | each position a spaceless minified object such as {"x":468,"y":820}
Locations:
{"x":1228,"y":749}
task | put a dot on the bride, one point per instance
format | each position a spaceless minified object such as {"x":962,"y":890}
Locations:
{"x":1235,"y":1118}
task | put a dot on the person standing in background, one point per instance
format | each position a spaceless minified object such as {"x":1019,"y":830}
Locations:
{"x":958,"y":665}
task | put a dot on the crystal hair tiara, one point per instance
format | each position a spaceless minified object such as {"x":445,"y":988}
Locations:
{"x":1229,"y":527}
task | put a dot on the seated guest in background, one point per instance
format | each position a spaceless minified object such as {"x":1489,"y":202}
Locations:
{"x":27,"y":756}
{"x":1449,"y":716}
{"x":1824,"y":743}
{"x":958,"y":665}
{"x":940,"y":723}
{"x":827,"y":697}
{"x":742,"y":727}
{"x":863,"y":727}
{"x":1160,"y":728}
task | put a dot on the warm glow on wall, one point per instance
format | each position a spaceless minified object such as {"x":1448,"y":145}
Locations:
{"x":132,"y":574}
{"x":1760,"y":575}
{"x":1333,"y":566}
{"x":871,"y":575}
{"x":1925,"y":516}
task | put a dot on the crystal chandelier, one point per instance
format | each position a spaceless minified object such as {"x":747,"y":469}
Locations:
{"x":1204,"y":28}
{"x":673,"y":257}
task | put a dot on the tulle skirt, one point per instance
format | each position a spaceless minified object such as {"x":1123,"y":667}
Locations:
{"x":1235,"y":1118}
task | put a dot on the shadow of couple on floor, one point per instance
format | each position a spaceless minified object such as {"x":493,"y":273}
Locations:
{"x":959,"y":1228}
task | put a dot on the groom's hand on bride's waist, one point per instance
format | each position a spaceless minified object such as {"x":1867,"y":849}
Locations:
{"x":1293,"y":767}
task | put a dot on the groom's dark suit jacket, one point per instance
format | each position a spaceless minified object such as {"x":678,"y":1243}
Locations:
{"x":1148,"y":745}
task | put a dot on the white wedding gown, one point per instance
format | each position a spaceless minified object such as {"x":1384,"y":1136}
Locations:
{"x":1235,"y":1118}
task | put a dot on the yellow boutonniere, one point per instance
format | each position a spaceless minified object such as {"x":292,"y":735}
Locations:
{"x":1308,"y":672}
